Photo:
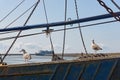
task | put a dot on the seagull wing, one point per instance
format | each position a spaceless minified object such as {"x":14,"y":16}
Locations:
{"x":96,"y":47}
{"x":27,"y":56}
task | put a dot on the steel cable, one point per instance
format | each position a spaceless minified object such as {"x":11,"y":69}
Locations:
{"x":19,"y":32}
{"x":80,"y":28}
{"x":11,"y":11}
{"x":48,"y":31}
{"x":64,"y":37}
{"x":115,"y":4}
{"x":7,"y":38}
{"x":20,"y":16}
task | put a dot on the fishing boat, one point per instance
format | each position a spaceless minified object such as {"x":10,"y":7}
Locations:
{"x":99,"y":66}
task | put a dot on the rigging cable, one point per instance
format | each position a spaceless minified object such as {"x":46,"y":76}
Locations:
{"x":7,"y":38}
{"x":64,"y":37}
{"x":20,"y":32}
{"x":115,"y":4}
{"x":20,"y":16}
{"x":17,"y":19}
{"x":80,"y":28}
{"x":11,"y":11}
{"x":48,"y":31}
{"x":59,"y":23}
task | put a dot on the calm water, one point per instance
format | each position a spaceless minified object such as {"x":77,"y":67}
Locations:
{"x":18,"y":59}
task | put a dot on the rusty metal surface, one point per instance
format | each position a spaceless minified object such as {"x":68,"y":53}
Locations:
{"x":98,"y":69}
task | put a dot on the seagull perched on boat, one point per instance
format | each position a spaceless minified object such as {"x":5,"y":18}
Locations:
{"x":95,"y":47}
{"x":26,"y":55}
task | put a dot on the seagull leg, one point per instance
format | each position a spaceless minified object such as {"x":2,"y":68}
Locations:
{"x":25,"y":60}
{"x":95,"y":51}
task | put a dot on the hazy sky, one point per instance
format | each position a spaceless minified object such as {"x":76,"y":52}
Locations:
{"x":106,"y":35}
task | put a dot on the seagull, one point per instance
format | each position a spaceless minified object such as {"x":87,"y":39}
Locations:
{"x":26,"y":55}
{"x":95,"y":47}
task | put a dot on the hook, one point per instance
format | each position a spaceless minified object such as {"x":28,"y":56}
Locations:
{"x":69,"y":19}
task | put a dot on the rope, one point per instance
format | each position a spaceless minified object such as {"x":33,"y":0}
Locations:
{"x":20,"y":32}
{"x":64,"y":37}
{"x":48,"y":30}
{"x":7,"y":38}
{"x":11,"y":11}
{"x":80,"y":28}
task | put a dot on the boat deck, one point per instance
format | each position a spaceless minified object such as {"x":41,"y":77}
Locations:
{"x":79,"y":58}
{"x":87,"y":67}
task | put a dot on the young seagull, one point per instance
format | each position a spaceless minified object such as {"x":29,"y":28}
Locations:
{"x":26,"y":55}
{"x":95,"y":47}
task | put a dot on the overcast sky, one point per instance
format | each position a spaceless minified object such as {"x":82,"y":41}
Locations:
{"x":106,"y":35}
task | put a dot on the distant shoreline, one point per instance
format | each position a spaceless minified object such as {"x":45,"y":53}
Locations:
{"x":60,"y":54}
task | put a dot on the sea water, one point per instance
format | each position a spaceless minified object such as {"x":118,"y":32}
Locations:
{"x":18,"y":59}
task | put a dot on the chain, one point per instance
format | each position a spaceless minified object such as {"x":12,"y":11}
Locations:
{"x":117,"y":17}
